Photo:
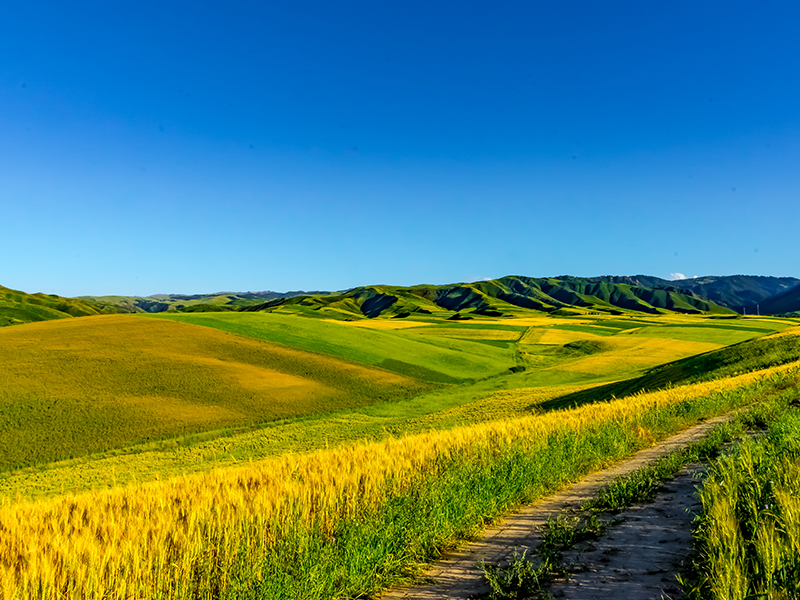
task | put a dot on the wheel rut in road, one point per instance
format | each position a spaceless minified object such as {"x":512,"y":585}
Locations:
{"x":638,"y":558}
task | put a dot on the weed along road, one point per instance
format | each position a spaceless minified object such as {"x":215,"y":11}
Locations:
{"x":459,"y":575}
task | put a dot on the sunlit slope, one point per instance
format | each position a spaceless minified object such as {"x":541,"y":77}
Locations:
{"x":751,"y":355}
{"x":19,"y":307}
{"x":505,"y":297}
{"x":431,"y":358}
{"x":73,"y":387}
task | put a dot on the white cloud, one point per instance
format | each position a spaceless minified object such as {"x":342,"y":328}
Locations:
{"x":676,"y":276}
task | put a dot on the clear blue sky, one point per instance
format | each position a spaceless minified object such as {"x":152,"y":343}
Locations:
{"x":195,"y":147}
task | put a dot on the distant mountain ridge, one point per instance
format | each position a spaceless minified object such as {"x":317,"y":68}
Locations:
{"x":786,"y":303}
{"x":739,"y":292}
{"x":502,"y":296}
{"x":219,"y":301}
{"x":565,"y":294}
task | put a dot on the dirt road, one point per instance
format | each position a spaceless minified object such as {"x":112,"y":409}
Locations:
{"x":457,"y":576}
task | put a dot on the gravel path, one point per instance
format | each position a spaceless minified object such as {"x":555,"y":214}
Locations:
{"x":457,"y":577}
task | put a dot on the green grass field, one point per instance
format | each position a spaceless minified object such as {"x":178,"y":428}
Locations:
{"x":431,"y":358}
{"x":748,"y":536}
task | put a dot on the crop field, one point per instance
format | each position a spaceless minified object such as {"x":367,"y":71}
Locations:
{"x":444,"y":360}
{"x":446,"y":352}
{"x":76,"y":386}
{"x":135,"y":398}
{"x":243,"y":455}
{"x":336,"y":523}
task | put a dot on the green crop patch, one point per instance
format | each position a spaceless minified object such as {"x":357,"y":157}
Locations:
{"x":76,"y":386}
{"x":451,"y":359}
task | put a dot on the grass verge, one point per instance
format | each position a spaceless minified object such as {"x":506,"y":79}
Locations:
{"x":748,"y":537}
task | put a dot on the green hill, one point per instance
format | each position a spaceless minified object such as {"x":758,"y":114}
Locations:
{"x":19,"y":307}
{"x":429,"y":358}
{"x":507,"y":296}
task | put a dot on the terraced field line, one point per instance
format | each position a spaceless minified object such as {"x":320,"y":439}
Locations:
{"x":457,"y":576}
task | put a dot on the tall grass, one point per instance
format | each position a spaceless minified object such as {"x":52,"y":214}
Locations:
{"x":749,"y":534}
{"x":332,"y":524}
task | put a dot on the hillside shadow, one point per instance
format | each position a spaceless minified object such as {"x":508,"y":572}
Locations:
{"x":750,"y":355}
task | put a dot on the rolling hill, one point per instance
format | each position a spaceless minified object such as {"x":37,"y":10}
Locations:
{"x":18,"y":307}
{"x":73,"y":387}
{"x":507,"y":296}
{"x":737,"y":291}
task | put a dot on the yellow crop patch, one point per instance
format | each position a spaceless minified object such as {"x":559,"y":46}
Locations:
{"x":564,"y":336}
{"x":92,"y":384}
{"x":178,"y":412}
{"x":386,"y":324}
{"x":545,"y":321}
{"x":633,"y":353}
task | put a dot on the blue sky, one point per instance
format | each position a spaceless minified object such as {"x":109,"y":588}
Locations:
{"x":198,"y":147}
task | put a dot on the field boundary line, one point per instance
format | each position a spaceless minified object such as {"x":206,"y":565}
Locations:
{"x":456,"y":575}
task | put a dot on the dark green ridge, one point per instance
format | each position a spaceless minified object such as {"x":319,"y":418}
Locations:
{"x":738,"y":292}
{"x":507,"y":296}
{"x":785,"y":303}
{"x":734,"y":291}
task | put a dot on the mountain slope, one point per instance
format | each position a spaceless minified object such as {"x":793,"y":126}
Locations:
{"x":787,"y":302}
{"x":494,"y":298}
{"x":737,"y":291}
{"x":543,"y":294}
{"x":18,"y":307}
